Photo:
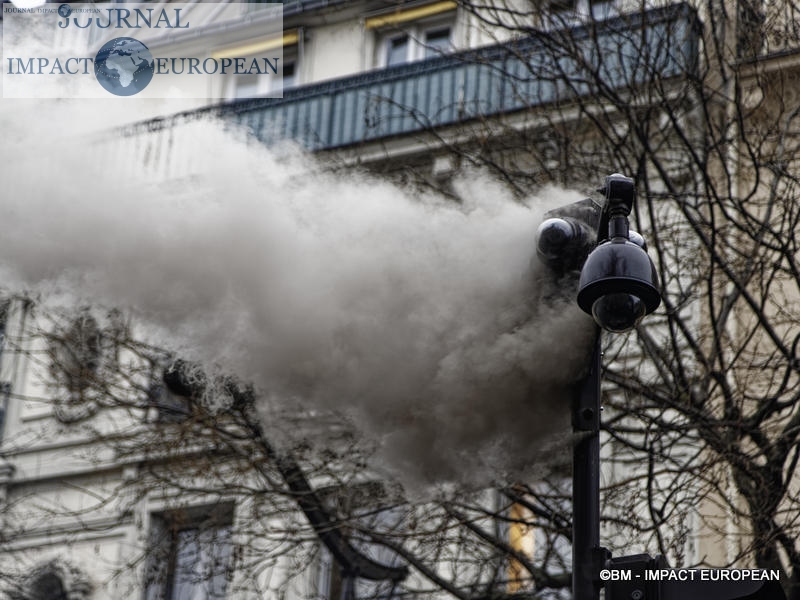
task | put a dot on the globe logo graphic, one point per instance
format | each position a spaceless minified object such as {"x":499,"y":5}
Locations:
{"x":123,"y":66}
{"x":65,"y":10}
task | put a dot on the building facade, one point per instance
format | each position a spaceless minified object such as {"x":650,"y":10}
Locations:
{"x":112,"y":498}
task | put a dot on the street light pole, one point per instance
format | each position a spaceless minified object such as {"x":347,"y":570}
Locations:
{"x":587,"y":556}
{"x":618,"y":286}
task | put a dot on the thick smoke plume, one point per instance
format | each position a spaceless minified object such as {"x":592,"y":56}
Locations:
{"x":422,"y":319}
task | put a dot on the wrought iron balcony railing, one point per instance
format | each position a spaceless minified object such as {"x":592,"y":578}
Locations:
{"x":544,"y":68}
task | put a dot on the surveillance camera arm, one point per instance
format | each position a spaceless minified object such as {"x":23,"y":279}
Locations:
{"x":620,"y":193}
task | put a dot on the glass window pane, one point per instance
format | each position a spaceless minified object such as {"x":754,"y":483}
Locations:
{"x":201,"y":563}
{"x":158,"y":558}
{"x":189,"y":563}
{"x":602,"y":9}
{"x":289,"y":78}
{"x":437,"y":41}
{"x":559,"y":6}
{"x":397,"y":51}
{"x":247,"y":86}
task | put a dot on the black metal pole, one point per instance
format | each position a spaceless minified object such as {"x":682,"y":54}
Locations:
{"x":586,"y":550}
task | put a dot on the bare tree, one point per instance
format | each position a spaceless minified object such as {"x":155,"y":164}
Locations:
{"x":311,"y":503}
{"x":692,"y":103}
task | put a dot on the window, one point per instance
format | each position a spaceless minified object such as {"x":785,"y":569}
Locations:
{"x":397,"y":50}
{"x":551,"y":546}
{"x":364,"y":507}
{"x":247,"y":86}
{"x":284,"y":47}
{"x":191,"y":553}
{"x":332,"y":582}
{"x":437,"y":41}
{"x":289,"y":75}
{"x":416,"y":42}
{"x":561,"y":6}
{"x":569,"y":12}
{"x":602,"y":9}
{"x":253,"y":85}
{"x":79,"y":352}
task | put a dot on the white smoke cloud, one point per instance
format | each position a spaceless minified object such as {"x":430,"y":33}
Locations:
{"x":419,"y":318}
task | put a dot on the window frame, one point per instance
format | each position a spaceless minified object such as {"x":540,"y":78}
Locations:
{"x":560,"y":13}
{"x":266,"y":84}
{"x":164,"y":547}
{"x":416,"y":32}
{"x":328,"y":580}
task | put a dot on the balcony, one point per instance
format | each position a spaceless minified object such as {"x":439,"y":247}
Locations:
{"x":537,"y":71}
